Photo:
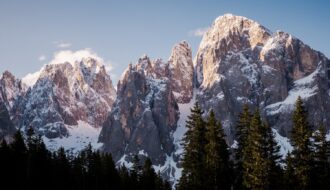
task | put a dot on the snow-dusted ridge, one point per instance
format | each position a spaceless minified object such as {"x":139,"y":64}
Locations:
{"x":68,"y":56}
{"x":304,"y":87}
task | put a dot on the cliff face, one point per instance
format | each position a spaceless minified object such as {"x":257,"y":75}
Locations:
{"x":144,"y":114}
{"x":66,"y":93}
{"x":11,"y":91}
{"x":182,"y":72}
{"x":241,"y":62}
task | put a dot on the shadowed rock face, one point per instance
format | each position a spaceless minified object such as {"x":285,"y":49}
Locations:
{"x":11,"y":90}
{"x":64,"y":94}
{"x":6,"y":126}
{"x":241,"y":62}
{"x":144,"y":113}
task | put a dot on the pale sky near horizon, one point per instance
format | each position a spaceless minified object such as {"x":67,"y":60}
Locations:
{"x":120,"y":31}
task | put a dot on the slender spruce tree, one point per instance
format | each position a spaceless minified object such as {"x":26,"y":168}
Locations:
{"x":320,"y":157}
{"x":217,"y":156}
{"x":19,"y":153}
{"x":193,"y":162}
{"x":255,"y":159}
{"x":242,"y":130}
{"x":290,"y":181}
{"x":301,"y":141}
{"x":274,"y":159}
{"x":148,"y":178}
{"x":136,"y":172}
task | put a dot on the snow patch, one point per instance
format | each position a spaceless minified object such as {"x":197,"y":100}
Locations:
{"x":170,"y":167}
{"x":284,"y":142}
{"x":122,"y":161}
{"x":181,"y":126}
{"x":79,"y":137}
{"x":302,"y":87}
{"x":142,"y":152}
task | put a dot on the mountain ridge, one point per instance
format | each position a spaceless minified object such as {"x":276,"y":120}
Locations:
{"x":238,"y":62}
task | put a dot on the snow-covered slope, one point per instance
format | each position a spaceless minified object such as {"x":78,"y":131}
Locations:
{"x":80,"y":136}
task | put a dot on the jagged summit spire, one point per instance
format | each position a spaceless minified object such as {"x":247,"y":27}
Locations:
{"x":231,"y":27}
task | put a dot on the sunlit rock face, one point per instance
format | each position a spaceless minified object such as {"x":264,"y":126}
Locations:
{"x":241,"y":62}
{"x":11,"y":89}
{"x":182,"y":72}
{"x":64,"y":94}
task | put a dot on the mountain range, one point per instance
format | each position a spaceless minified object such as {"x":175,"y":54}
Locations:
{"x":72,"y":102}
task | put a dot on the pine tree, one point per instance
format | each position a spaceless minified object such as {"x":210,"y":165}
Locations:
{"x":61,"y":169}
{"x":111,"y":176}
{"x":300,"y":139}
{"x":38,"y":161}
{"x":274,"y":159}
{"x":6,"y":164}
{"x":149,"y":176}
{"x":78,"y":171}
{"x":126,"y":182}
{"x":255,"y":161}
{"x":217,"y":156}
{"x":321,"y":164}
{"x":136,"y":172}
{"x":242,"y":130}
{"x":193,"y":162}
{"x":18,"y":145}
{"x":290,"y":181}
{"x":19,"y":153}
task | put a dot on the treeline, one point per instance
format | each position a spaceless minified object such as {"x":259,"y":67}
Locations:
{"x":255,"y":163}
{"x":27,"y":164}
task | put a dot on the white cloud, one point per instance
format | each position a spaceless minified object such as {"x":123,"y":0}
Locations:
{"x":73,"y":56}
{"x":31,"y":78}
{"x":198,"y":32}
{"x":77,"y":56}
{"x":42,"y":58}
{"x":108,"y":67}
{"x":62,"y":44}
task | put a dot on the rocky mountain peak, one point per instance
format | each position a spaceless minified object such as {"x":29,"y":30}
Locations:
{"x":73,"y":91}
{"x":143,"y":115}
{"x":228,"y":34}
{"x":241,"y":62}
{"x":182,"y":72}
{"x":236,"y":32}
{"x":10,"y":89}
{"x":7,"y":75}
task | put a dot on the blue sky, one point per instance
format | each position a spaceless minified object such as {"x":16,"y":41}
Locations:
{"x":121,"y":31}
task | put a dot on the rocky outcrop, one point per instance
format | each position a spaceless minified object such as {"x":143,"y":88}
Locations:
{"x":182,"y":72}
{"x":7,"y":128}
{"x":11,"y":89}
{"x":241,"y":62}
{"x":64,"y":94}
{"x":143,"y":115}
